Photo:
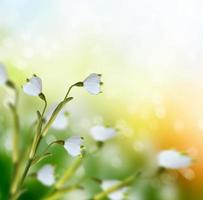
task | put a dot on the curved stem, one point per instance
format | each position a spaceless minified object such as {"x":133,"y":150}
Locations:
{"x":45,"y":154}
{"x":40,"y":134}
{"x":59,"y":193}
{"x":60,"y":142}
{"x":129,"y":180}
{"x":59,"y":189}
{"x":69,"y":89}
{"x":33,"y":150}
{"x":69,"y":173}
{"x":53,"y":117}
{"x":59,"y":108}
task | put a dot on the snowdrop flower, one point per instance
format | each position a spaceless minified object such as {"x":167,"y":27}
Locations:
{"x":73,"y":145}
{"x":117,"y":195}
{"x":92,"y":83}
{"x":101,"y":133}
{"x":61,"y":121}
{"x":3,"y":74}
{"x":33,"y":87}
{"x":46,"y":175}
{"x":172,"y":159}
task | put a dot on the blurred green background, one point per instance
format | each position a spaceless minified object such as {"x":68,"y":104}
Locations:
{"x":150,"y":56}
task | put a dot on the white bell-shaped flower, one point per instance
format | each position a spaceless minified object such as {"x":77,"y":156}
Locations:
{"x":3,"y":74}
{"x":61,"y":122}
{"x":117,"y":195}
{"x":73,"y":145}
{"x":172,"y":159}
{"x":101,"y":133}
{"x":92,"y":83}
{"x":46,"y":175}
{"x":33,"y":87}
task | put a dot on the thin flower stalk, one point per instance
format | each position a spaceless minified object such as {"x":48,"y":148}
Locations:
{"x":35,"y":145}
{"x":16,"y":135}
{"x":54,"y":115}
{"x":59,"y":193}
{"x":13,"y":107}
{"x":19,"y":181}
{"x":59,"y":187}
{"x":41,"y":132}
{"x":69,"y":173}
{"x":73,"y":145}
{"x":128,"y":181}
{"x":16,"y":160}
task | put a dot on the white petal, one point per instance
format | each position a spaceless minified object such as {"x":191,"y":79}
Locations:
{"x":92,"y":84}
{"x":33,"y":87}
{"x":172,"y":159}
{"x":93,"y":78}
{"x":92,"y":88}
{"x":101,"y":133}
{"x":3,"y":74}
{"x":73,"y":145}
{"x":117,"y":195}
{"x":61,"y":121}
{"x":46,"y":175}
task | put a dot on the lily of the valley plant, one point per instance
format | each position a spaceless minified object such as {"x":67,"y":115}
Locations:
{"x":56,"y":117}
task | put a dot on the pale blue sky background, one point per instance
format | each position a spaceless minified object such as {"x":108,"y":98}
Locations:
{"x":150,"y":42}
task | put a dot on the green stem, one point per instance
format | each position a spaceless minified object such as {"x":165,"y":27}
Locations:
{"x":129,"y":180}
{"x":69,"y":173}
{"x":60,"y":142}
{"x":54,"y":115}
{"x":16,"y":136}
{"x":58,"y":187}
{"x":13,"y":108}
{"x":18,"y":183}
{"x":59,"y":108}
{"x":59,"y":193}
{"x":40,"y":134}
{"x":70,"y":88}
{"x":46,"y":153}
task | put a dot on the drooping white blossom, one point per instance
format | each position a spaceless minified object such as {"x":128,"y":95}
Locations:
{"x":172,"y":159}
{"x":33,"y":87}
{"x":46,"y":175}
{"x":61,"y":121}
{"x":93,"y":83}
{"x":3,"y":74}
{"x":117,"y":195}
{"x":73,"y":145}
{"x":102,"y":133}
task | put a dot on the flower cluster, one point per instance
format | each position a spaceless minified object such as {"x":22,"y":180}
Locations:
{"x":57,"y":118}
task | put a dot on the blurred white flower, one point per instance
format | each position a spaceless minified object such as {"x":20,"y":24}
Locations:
{"x":33,"y":87}
{"x":92,"y":83}
{"x":61,"y":122}
{"x":46,"y":175}
{"x":8,"y":142}
{"x":172,"y":159}
{"x":73,"y":145}
{"x":117,"y":195}
{"x":101,"y":133}
{"x":3,"y":74}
